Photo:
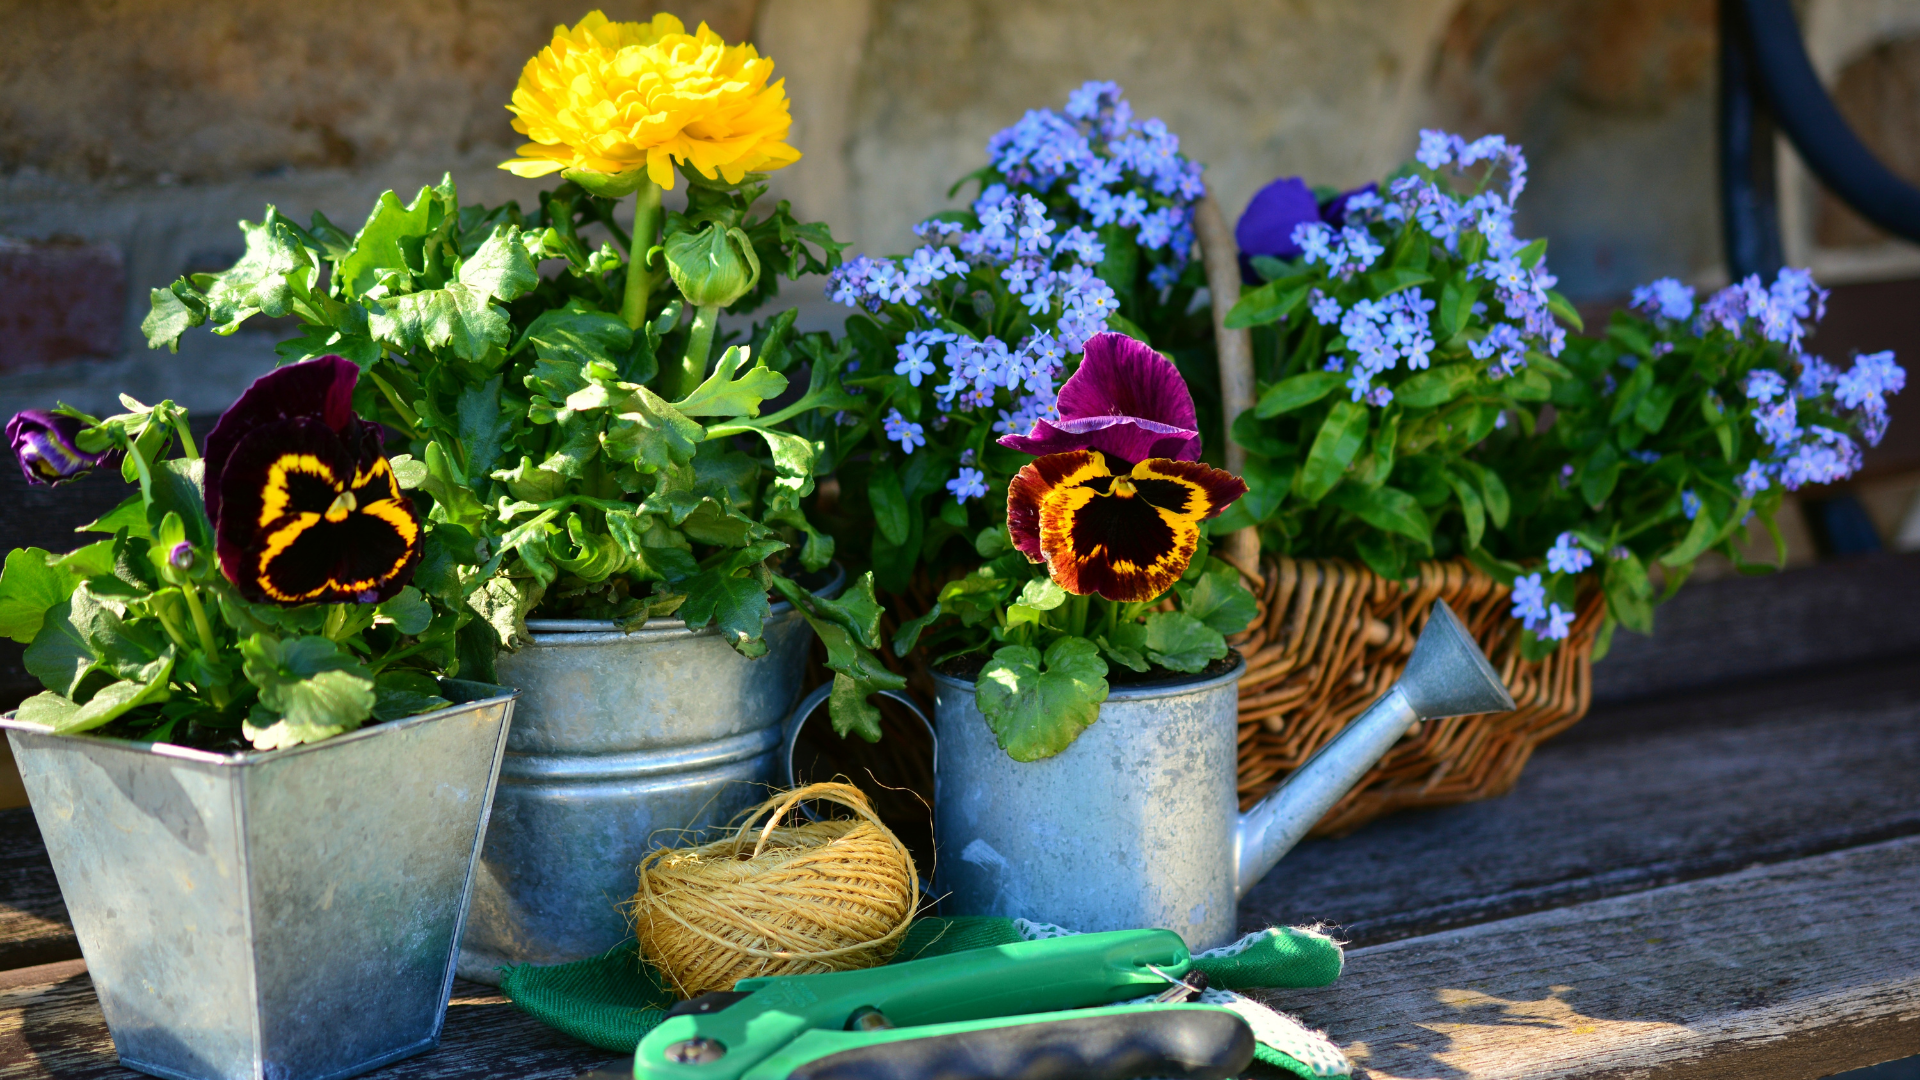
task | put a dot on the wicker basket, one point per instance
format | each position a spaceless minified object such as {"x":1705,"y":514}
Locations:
{"x":1333,"y":636}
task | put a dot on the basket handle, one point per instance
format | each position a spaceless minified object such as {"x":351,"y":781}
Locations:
{"x":1235,"y":351}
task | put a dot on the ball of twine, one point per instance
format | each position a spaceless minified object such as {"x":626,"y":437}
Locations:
{"x":793,"y":900}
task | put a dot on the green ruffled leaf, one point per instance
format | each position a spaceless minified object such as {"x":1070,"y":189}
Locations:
{"x":380,"y":250}
{"x":458,"y":318}
{"x":730,"y":392}
{"x":107,"y":704}
{"x":275,"y":271}
{"x":29,"y":586}
{"x":310,"y":689}
{"x":168,"y":317}
{"x":645,"y":431}
{"x":503,"y":602}
{"x":500,"y":268}
{"x":59,"y":655}
{"x":1219,"y":600}
{"x":409,"y":612}
{"x":1037,"y":705}
{"x":1127,"y":656}
{"x":1179,"y":642}
{"x":732,"y":594}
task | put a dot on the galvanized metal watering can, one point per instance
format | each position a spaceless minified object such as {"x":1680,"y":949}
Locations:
{"x":1136,"y":824}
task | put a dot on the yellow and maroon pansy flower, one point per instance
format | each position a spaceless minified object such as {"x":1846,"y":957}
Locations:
{"x":304,"y":505}
{"x":1114,"y":504}
{"x":1127,"y":536}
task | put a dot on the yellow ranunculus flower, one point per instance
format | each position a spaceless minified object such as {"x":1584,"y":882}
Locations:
{"x":611,"y":97}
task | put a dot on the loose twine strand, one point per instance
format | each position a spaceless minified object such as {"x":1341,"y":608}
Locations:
{"x":793,"y":900}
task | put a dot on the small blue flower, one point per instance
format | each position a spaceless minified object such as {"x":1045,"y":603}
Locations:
{"x":1529,"y":599}
{"x":1754,"y":481}
{"x":1567,"y":556}
{"x":1559,"y":622}
{"x":1665,"y":297}
{"x":913,"y":361}
{"x":1764,"y":385}
{"x":1436,"y":148}
{"x":903,"y":431}
{"x":968,"y":484}
{"x":1690,"y":504}
{"x":1778,"y":424}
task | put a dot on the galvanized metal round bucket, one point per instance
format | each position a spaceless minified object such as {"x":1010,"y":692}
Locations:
{"x":1131,"y":826}
{"x":621,"y":743}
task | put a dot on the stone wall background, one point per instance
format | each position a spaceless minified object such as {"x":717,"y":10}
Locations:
{"x":148,"y":127}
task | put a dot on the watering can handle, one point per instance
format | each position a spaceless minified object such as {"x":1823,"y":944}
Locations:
{"x":797,"y":719}
{"x":1447,"y":675}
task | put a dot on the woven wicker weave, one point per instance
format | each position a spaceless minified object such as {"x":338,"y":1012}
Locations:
{"x":1333,"y":636}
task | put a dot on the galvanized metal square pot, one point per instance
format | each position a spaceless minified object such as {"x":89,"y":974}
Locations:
{"x":623,"y":742}
{"x":286,"y":915}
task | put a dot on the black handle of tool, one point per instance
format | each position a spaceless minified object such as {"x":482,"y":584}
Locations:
{"x":1189,"y":1044}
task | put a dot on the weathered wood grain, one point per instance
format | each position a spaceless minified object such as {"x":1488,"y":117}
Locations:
{"x":33,"y":919}
{"x":1796,"y":970}
{"x":1631,"y":799}
{"x":51,"y":1027}
{"x":1716,"y":632}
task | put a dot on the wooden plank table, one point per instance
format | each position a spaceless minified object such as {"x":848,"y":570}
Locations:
{"x":1720,"y":883}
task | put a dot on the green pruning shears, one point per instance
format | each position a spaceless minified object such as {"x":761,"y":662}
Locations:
{"x":979,"y":1014}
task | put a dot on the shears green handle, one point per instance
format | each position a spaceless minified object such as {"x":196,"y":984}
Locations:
{"x":977,"y":998}
{"x":1119,"y":1042}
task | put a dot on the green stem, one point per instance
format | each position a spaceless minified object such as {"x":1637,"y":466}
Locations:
{"x":806,"y":402}
{"x":646,"y":228}
{"x":187,"y":446}
{"x":1077,"y":617}
{"x":166,"y":623}
{"x":693,"y":366}
{"x":1110,"y":620}
{"x":205,"y":629}
{"x":407,"y":418}
{"x":140,"y":469}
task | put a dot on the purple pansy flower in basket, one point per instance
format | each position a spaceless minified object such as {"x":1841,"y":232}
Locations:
{"x":47,"y":447}
{"x":1266,"y":227}
{"x":1125,"y":400}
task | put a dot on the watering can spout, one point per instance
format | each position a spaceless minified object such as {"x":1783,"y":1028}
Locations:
{"x":1446,"y":676}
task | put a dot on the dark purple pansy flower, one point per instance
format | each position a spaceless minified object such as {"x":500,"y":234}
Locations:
{"x":1266,"y":228}
{"x":320,"y":389}
{"x":1126,"y":400}
{"x":305,"y":507}
{"x":47,"y":447}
